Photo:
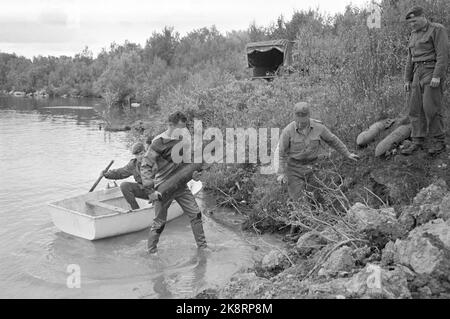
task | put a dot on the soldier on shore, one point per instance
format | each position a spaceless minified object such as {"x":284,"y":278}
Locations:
{"x":300,"y":144}
{"x":425,"y":74}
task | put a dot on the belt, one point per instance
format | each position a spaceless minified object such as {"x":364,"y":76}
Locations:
{"x":425,"y":62}
{"x":308,"y":162}
{"x":419,"y":64}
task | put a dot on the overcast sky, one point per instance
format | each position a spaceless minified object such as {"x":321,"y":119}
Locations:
{"x":65,"y":27}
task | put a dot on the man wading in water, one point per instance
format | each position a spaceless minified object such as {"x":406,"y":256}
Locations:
{"x":157,"y":167}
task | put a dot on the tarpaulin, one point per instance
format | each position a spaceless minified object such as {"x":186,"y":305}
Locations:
{"x":267,"y":52}
{"x":264,"y":46}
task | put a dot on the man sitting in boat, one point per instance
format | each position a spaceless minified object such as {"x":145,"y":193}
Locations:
{"x":132,"y":190}
{"x":161,"y":146}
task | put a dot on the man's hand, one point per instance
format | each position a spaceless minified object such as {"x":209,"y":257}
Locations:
{"x":196,"y":176}
{"x":154,"y":196}
{"x":148,"y":184}
{"x":353,"y":157}
{"x":282,"y":179}
{"x":102,"y":173}
{"x":435,"y":82}
{"x":407,"y":86}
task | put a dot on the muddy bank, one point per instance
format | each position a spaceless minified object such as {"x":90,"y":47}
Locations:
{"x":261,"y":244}
{"x":140,"y":127}
{"x":395,"y":244}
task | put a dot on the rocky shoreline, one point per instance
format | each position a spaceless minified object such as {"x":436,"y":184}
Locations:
{"x":396,"y":252}
{"x":38,"y":94}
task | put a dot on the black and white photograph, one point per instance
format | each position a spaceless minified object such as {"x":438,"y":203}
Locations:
{"x":224,"y":155}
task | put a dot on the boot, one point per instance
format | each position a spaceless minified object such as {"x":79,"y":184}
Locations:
{"x":436,"y":148}
{"x":156,"y":229}
{"x":152,"y":245}
{"x":412,"y":148}
{"x":197,"y":230}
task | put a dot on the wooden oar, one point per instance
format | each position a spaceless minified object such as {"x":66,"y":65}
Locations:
{"x":100,"y":177}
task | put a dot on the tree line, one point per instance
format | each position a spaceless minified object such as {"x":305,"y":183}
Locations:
{"x":340,"y":46}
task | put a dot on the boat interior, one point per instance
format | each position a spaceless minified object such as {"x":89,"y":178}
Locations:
{"x":100,"y":203}
{"x":108,"y":201}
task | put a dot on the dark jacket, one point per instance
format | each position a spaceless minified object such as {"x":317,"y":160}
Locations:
{"x":157,"y":164}
{"x":132,"y":168}
{"x":294,"y":145}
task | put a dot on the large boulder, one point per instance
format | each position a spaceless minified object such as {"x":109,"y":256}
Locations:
{"x":408,"y":218}
{"x":426,"y":212}
{"x":340,"y":260}
{"x":444,"y":208}
{"x":426,"y":250}
{"x":361,"y":254}
{"x":431,"y":194}
{"x":388,"y":254}
{"x":274,"y":260}
{"x":379,"y":225}
{"x":374,"y":281}
{"x":427,"y":202}
{"x":430,"y":203}
{"x":438,"y":228}
{"x":371,"y":282}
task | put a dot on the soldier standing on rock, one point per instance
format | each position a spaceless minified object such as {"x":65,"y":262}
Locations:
{"x":299,"y":148}
{"x":425,"y":73}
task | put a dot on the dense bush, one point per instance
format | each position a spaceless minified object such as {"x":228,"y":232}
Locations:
{"x":353,"y":78}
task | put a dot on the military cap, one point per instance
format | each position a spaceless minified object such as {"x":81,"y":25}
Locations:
{"x":137,"y":148}
{"x":302,"y":109}
{"x":415,"y":11}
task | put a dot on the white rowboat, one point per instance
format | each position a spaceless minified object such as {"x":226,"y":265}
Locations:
{"x":105,"y":213}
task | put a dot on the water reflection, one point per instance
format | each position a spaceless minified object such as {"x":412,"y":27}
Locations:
{"x":180,"y":270}
{"x":161,"y":287}
{"x":27,"y":104}
{"x":81,"y":117}
{"x":185,"y":282}
{"x":45,"y":156}
{"x":53,"y":109}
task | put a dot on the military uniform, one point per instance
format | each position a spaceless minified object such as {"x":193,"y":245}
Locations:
{"x":131,"y":190}
{"x":299,"y":150}
{"x":427,"y":58}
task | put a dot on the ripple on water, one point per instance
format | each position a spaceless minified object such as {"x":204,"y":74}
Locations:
{"x":57,"y":156}
{"x":121,"y":262}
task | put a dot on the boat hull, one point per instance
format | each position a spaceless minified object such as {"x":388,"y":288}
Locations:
{"x":104,"y":213}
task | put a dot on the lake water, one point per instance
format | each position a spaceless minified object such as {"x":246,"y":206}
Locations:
{"x":53,"y":149}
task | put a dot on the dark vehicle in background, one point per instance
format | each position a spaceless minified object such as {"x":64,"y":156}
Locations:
{"x":270,"y":59}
